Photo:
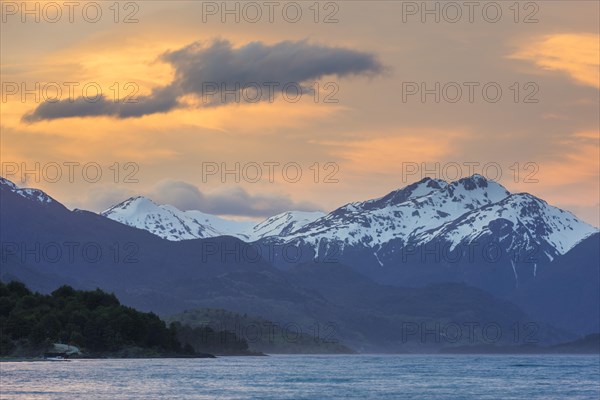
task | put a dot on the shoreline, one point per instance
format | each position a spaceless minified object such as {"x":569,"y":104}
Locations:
{"x":40,"y":359}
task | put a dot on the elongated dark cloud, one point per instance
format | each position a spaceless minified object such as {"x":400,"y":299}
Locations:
{"x":214,"y":72}
{"x":233,"y":201}
{"x":161,"y":100}
{"x":202,"y":70}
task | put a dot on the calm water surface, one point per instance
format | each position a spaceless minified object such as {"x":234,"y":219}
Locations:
{"x":309,"y":377}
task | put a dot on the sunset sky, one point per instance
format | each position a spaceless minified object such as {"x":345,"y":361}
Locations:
{"x":367,"y":60}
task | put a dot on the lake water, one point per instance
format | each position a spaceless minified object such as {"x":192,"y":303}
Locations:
{"x":309,"y":377}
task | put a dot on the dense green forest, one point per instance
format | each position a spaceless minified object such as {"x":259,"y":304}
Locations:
{"x":99,"y":325}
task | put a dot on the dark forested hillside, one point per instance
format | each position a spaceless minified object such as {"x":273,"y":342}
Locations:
{"x":94,"y":321}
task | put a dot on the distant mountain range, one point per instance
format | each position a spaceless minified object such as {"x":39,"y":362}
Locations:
{"x":456,"y":213}
{"x":170,"y":223}
{"x":432,"y":252}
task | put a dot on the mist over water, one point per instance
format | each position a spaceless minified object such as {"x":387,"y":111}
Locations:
{"x":309,"y":377}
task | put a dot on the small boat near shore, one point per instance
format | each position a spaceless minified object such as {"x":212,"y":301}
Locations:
{"x":61,"y":352}
{"x":56,"y":357}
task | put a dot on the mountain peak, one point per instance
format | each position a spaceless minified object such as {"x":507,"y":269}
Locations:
{"x":132,"y":205}
{"x":477,"y":186}
{"x":421,"y":188}
{"x":171,"y":223}
{"x":475,"y":181}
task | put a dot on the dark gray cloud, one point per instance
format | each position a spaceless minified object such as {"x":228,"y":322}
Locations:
{"x":210,"y":71}
{"x":161,"y":100}
{"x":231,"y":201}
{"x":200,"y":69}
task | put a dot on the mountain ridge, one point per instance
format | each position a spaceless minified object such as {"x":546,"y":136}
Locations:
{"x":415,"y":214}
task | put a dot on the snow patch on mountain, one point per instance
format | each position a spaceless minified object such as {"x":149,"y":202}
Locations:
{"x":29,"y":193}
{"x":5,"y":183}
{"x":283,"y":224}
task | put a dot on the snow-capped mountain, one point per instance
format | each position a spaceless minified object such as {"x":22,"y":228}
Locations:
{"x":457,"y":212}
{"x":403,"y":214}
{"x":171,"y":223}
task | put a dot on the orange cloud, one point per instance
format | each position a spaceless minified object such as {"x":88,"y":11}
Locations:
{"x":577,"y":55}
